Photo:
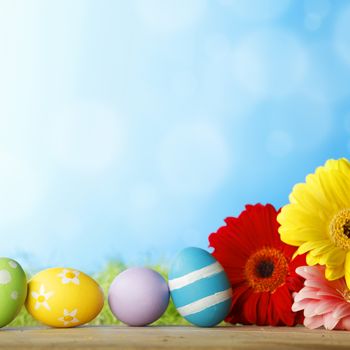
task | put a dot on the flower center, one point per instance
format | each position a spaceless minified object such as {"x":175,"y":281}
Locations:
{"x":70,"y":275}
{"x":41,"y":299}
{"x":339,"y":229}
{"x":68,"y":318}
{"x":266,"y":270}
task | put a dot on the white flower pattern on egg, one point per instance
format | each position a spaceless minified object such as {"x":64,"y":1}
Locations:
{"x":69,"y":276}
{"x":5,"y":277}
{"x":41,"y":298}
{"x":14,"y":295}
{"x":69,"y":317}
{"x":13,"y":264}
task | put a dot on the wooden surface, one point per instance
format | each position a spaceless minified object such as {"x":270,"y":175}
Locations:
{"x":173,"y":338}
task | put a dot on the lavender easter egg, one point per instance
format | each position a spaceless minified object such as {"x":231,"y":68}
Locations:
{"x":138,"y":296}
{"x":199,"y":287}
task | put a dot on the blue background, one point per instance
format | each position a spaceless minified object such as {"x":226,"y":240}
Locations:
{"x":131,"y":129}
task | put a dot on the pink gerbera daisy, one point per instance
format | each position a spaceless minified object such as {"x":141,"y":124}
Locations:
{"x":325,"y":303}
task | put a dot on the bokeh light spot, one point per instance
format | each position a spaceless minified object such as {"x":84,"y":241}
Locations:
{"x":169,"y":16}
{"x":194,"y":159}
{"x":257,"y":10}
{"x":87,"y":137}
{"x":270,"y":63}
{"x":342,"y":30}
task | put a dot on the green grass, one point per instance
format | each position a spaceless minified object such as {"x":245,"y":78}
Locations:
{"x":105,"y":278}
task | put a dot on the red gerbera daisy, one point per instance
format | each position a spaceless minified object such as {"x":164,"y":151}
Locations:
{"x":260,"y":268}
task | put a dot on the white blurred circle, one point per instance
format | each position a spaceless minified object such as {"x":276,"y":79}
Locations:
{"x":270,"y":63}
{"x":313,"y":21}
{"x":194,"y":158}
{"x":315,"y":12}
{"x":142,"y":208}
{"x":342,"y":30}
{"x":167,"y":16}
{"x":279,"y":143}
{"x":303,"y":124}
{"x":87,"y":137}
{"x":21,"y":188}
{"x":319,"y":7}
{"x":183,"y":84}
{"x":347,"y":123}
{"x":322,"y":83}
{"x":142,"y":197}
{"x":219,"y":91}
{"x":257,"y":10}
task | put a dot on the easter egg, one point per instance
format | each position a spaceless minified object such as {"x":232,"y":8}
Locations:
{"x":199,"y":287}
{"x":63,"y":297}
{"x":138,"y":296}
{"x":13,"y":290}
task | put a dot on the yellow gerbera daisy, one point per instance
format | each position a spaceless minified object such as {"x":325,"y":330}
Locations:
{"x":318,"y":219}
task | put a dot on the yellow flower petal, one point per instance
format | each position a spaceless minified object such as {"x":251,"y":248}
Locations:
{"x":310,"y":245}
{"x":340,"y":164}
{"x":311,"y":260}
{"x":335,"y":257}
{"x":294,"y":217}
{"x":331,"y":257}
{"x":336,"y":188}
{"x":301,"y":235}
{"x":333,"y":273}
{"x":322,"y":249}
{"x":309,"y":197}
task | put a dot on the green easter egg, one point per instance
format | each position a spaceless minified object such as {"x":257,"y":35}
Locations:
{"x":13,"y":290}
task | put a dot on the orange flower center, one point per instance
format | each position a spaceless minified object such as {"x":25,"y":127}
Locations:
{"x":68,"y":318}
{"x":70,"y":274}
{"x":41,"y":299}
{"x":339,"y":229}
{"x":266,"y":270}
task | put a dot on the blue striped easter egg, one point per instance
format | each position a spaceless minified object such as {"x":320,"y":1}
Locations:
{"x":199,"y":287}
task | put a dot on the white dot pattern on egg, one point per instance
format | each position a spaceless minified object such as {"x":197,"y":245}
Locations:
{"x":14,"y":295}
{"x":5,"y":277}
{"x":13,"y":264}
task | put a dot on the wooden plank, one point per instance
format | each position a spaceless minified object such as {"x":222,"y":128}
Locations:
{"x":189,"y":338}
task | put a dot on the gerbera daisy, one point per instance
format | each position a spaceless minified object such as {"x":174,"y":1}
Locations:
{"x":259,"y":266}
{"x":325,"y":303}
{"x":318,"y":219}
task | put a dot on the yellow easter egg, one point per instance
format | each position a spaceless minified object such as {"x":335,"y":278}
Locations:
{"x":63,"y":297}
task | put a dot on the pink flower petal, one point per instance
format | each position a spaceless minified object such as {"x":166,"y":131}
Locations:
{"x":305,"y":295}
{"x":344,"y":324}
{"x":342,"y":310}
{"x":300,"y":305}
{"x":329,"y":321}
{"x":327,"y":291}
{"x":313,"y":322}
{"x":310,"y":308}
{"x":325,"y":306}
{"x":319,"y":284}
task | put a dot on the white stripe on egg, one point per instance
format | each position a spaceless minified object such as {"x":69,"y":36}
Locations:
{"x":204,"y":303}
{"x":195,"y":276}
